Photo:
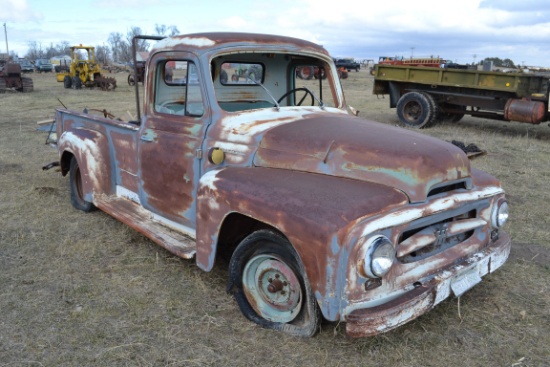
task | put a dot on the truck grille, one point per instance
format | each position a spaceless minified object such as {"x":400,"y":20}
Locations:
{"x":424,"y":238}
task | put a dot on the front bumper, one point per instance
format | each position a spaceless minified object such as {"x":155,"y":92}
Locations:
{"x":370,"y":321}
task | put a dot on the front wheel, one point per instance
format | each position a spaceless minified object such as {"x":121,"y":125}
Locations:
{"x":67,"y":82}
{"x":270,"y":285}
{"x":77,"y":192}
{"x":76,"y":82}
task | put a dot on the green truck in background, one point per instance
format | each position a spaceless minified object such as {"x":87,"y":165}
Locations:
{"x":424,"y":96}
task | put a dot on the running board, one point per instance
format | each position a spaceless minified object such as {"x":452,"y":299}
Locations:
{"x":140,"y":219}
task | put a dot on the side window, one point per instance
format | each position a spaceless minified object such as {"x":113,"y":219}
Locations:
{"x":310,"y":79}
{"x":177,"y":89}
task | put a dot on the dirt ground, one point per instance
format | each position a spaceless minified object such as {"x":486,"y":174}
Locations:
{"x":82,"y":289}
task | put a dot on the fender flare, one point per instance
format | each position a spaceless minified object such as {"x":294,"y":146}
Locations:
{"x":91,"y":149}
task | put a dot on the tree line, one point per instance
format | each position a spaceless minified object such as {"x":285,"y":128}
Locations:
{"x":119,"y":49}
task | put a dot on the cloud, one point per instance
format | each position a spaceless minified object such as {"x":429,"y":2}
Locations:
{"x":18,"y":11}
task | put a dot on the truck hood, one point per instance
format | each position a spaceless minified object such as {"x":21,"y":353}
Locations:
{"x":355,"y":148}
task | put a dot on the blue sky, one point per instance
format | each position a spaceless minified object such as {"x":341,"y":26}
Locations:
{"x":461,"y":31}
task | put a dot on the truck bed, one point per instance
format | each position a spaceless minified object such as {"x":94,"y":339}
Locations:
{"x":520,"y":84}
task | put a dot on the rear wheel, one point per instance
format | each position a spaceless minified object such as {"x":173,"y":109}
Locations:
{"x":77,"y":192}
{"x":270,"y":285}
{"x":436,"y":111}
{"x":415,"y":109}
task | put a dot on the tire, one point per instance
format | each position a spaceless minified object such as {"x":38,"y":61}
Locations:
{"x":131,"y":80}
{"x":436,"y":114}
{"x":270,"y":286}
{"x":67,"y":82}
{"x":305,"y":72}
{"x":77,"y":83}
{"x":414,"y":109}
{"x":77,"y":194}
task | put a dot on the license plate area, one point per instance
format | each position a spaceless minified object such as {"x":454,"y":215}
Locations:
{"x":465,"y":282}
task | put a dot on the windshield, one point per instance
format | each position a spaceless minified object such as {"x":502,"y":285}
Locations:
{"x":256,"y":80}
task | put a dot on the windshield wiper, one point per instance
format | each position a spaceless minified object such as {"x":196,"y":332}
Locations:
{"x":321,"y":104}
{"x":277,"y":107}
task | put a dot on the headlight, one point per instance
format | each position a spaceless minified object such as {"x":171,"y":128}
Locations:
{"x":500,"y":214}
{"x":378,"y":257}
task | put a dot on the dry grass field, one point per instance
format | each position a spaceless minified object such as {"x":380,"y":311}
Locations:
{"x":82,"y":289}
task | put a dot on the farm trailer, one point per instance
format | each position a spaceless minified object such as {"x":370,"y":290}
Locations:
{"x":424,"y":96}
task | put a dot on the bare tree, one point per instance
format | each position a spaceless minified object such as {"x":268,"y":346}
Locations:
{"x":33,"y":52}
{"x":102,"y":54}
{"x":141,"y":45}
{"x":115,"y":40}
{"x":163,"y":30}
{"x":63,"y":48}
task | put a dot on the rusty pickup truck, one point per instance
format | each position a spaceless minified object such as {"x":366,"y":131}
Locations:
{"x":321,"y":214}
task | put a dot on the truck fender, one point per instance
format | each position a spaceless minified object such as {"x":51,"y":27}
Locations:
{"x":302,"y":207}
{"x":91,"y":149}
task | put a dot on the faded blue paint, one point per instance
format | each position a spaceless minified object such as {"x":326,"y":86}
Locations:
{"x":148,"y":135}
{"x":335,"y":245}
{"x":403,"y":174}
{"x":333,"y":301}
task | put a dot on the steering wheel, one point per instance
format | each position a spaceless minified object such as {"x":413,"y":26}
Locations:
{"x":295,"y":90}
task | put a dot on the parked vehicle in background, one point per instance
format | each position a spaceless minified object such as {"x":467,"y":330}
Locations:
{"x":43,"y":65}
{"x":11,"y":78}
{"x":348,"y":64}
{"x":434,"y":62}
{"x":321,"y":213}
{"x":84,"y":71}
{"x":424,"y":96}
{"x":26,"y":66}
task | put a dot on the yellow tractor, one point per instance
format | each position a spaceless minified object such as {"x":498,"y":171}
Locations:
{"x":83,"y":70}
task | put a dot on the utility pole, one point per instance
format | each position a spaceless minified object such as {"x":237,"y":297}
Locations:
{"x":6,"y":34}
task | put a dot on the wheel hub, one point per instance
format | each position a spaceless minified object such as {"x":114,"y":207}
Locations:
{"x":272,"y":288}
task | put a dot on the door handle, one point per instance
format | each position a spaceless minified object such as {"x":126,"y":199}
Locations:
{"x":147,"y":139}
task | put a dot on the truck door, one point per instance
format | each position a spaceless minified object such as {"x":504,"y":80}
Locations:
{"x":173,"y":129}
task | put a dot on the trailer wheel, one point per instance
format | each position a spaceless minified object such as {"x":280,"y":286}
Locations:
{"x":414,"y":109}
{"x":77,"y":193}
{"x":270,"y":285}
